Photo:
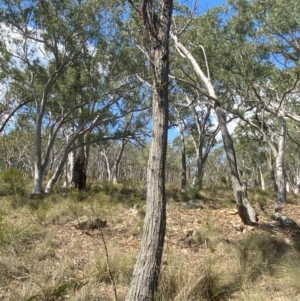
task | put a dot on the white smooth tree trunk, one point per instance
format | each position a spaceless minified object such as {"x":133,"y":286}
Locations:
{"x":297,"y":187}
{"x":116,"y":166}
{"x":245,"y":209}
{"x":38,"y":168}
{"x":107,"y":166}
{"x":183,"y":157}
{"x":262,"y":179}
{"x":280,"y":172}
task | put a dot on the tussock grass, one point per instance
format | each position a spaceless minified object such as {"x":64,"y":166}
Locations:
{"x":120,"y":263}
{"x":182,"y":281}
{"x":258,"y":254}
{"x":36,"y":264}
{"x":14,"y":234}
{"x":256,"y":257}
{"x":288,"y":271}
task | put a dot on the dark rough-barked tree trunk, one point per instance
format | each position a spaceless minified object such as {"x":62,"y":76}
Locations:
{"x":79,"y":175}
{"x":156,"y":16}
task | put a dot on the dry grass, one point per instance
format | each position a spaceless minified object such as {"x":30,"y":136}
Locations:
{"x":43,"y":257}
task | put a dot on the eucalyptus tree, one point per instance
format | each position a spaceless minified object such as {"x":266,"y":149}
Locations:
{"x":194,"y":118}
{"x":252,"y":156}
{"x":99,"y":122}
{"x":155,"y":17}
{"x":263,"y":74}
{"x":183,"y":182}
{"x":190,"y":155}
{"x":9,"y":104}
{"x":203,"y":83}
{"x":43,"y":39}
{"x":200,"y":128}
{"x":216,"y":170}
{"x":134,"y":131}
{"x":17,"y":144}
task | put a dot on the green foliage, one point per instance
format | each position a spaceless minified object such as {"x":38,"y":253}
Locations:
{"x":14,"y":180}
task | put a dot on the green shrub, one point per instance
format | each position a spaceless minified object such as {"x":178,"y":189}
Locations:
{"x":14,"y":181}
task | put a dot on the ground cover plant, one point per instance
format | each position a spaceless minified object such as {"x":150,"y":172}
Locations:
{"x":208,"y":253}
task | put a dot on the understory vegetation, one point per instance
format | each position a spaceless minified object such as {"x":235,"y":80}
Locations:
{"x":44,"y":257}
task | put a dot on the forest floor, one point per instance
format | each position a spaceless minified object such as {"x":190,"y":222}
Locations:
{"x":208,"y":254}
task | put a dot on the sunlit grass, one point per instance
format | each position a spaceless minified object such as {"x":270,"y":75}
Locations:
{"x":35,"y":262}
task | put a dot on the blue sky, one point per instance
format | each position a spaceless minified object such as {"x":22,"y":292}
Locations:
{"x":206,"y":4}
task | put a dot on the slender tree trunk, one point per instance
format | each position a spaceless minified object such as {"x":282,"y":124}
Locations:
{"x":79,"y":175}
{"x":280,"y":171}
{"x":87,"y":158}
{"x":183,"y":157}
{"x":246,"y":211}
{"x":70,"y":162}
{"x":116,"y":166}
{"x":262,"y":179}
{"x":271,"y":170}
{"x":297,"y":186}
{"x":57,"y":173}
{"x":38,"y":168}
{"x":157,"y":19}
{"x":200,"y":166}
{"x":108,"y":171}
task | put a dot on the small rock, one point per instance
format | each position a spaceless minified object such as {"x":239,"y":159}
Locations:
{"x":282,"y":220}
{"x":89,"y":223}
{"x":237,"y":226}
{"x":287,"y":221}
{"x":195,"y":204}
{"x":277,"y":216}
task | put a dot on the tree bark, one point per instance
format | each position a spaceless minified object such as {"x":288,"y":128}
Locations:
{"x":116,"y":165}
{"x":183,"y":157}
{"x":297,"y":186}
{"x":157,"y":19}
{"x":38,"y":167}
{"x":107,"y":166}
{"x":262,"y":179}
{"x":280,"y":172}
{"x":58,"y":172}
{"x":79,"y":175}
{"x":245,"y":210}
